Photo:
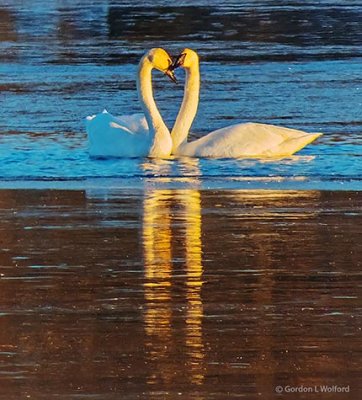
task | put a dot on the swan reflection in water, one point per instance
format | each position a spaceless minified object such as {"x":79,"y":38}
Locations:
{"x":174,"y":333}
{"x":161,"y":317}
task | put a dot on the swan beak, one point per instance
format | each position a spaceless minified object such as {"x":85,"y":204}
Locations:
{"x":178,"y":61}
{"x":171,"y":75}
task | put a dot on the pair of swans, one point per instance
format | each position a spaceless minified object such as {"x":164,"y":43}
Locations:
{"x":141,"y":135}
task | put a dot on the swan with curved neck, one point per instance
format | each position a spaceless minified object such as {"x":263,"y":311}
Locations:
{"x":240,"y":140}
{"x":136,"y":135}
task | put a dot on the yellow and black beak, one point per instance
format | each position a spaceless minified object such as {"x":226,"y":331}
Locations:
{"x":178,"y":61}
{"x":169,"y":72}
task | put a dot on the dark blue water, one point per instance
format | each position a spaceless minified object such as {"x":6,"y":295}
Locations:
{"x":295,"y":64}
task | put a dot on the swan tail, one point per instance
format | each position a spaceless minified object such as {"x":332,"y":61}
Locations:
{"x":291,"y":146}
{"x":90,"y":118}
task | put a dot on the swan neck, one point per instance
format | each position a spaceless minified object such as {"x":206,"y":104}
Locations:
{"x":188,"y":108}
{"x":156,"y":126}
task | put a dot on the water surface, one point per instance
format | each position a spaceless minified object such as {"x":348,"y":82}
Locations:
{"x":179,"y":293}
{"x":289,"y":63}
{"x":179,"y":278}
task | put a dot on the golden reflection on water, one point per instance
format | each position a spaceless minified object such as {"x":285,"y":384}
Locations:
{"x":191,"y":201}
{"x":159,"y":220}
{"x":158,"y":256}
{"x":158,"y":273}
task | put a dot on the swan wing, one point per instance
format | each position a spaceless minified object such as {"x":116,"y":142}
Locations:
{"x":136,"y":123}
{"x":248,"y":140}
{"x":110,"y":136}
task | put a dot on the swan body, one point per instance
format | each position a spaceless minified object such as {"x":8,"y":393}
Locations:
{"x":136,"y":135}
{"x":124,"y":136}
{"x":247,"y":140}
{"x":240,"y":140}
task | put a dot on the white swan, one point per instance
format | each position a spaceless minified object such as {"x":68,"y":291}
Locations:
{"x":136,"y":135}
{"x":241,"y":140}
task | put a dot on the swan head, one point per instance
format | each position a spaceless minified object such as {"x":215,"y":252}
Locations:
{"x":185,"y":59}
{"x":161,"y":60}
